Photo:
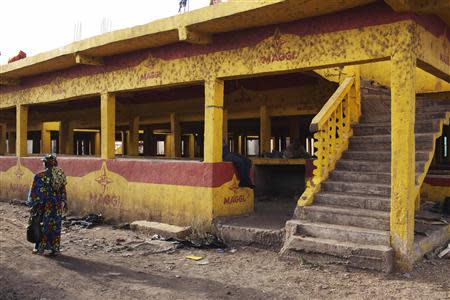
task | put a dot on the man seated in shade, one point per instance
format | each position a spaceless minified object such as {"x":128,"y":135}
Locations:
{"x":241,"y":163}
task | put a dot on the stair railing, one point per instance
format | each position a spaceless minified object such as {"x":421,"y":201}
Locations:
{"x":332,"y":131}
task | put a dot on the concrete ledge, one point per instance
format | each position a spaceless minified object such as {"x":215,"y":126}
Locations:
{"x":165,"y":230}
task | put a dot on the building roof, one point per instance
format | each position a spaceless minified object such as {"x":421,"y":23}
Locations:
{"x":194,"y":27}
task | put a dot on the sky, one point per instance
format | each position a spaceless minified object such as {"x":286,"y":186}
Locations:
{"x":36,"y":26}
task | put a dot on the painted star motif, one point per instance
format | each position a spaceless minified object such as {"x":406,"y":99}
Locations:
{"x":19,"y":173}
{"x":103,"y":179}
{"x":234,"y":187}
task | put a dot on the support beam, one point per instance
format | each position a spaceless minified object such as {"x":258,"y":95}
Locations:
{"x":149,"y":142}
{"x":46,"y":146}
{"x":65,"y":138}
{"x":265,"y":129}
{"x":213,"y":120}
{"x":97,"y":144}
{"x":11,"y":142}
{"x":21,"y":130}
{"x":191,"y":146}
{"x":133,"y":140}
{"x":88,"y":60}
{"x":2,"y":138}
{"x":193,"y":37}
{"x":168,"y":146}
{"x":108,"y":125}
{"x":176,"y":135}
{"x":403,"y":156}
{"x":9,"y":81}
{"x":225,"y":125}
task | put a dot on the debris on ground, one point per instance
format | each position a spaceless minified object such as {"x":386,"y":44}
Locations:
{"x":445,"y":252}
{"x":88,"y":221}
{"x":123,"y":226}
{"x":194,"y":257}
{"x":17,"y":202}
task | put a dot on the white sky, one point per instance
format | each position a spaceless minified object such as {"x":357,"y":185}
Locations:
{"x":36,"y":26}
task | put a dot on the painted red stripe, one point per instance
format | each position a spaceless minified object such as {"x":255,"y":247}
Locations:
{"x":185,"y":173}
{"x":173,"y":172}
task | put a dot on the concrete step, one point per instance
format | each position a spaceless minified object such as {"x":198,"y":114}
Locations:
{"x":353,"y":200}
{"x":374,"y":257}
{"x":378,"y":155}
{"x":369,"y":166}
{"x":362,"y":188}
{"x":362,"y":177}
{"x":385,"y":116}
{"x":365,"y":218}
{"x":267,"y":238}
{"x":363,"y":166}
{"x":384,"y":128}
{"x":424,"y":142}
{"x":340,"y":233}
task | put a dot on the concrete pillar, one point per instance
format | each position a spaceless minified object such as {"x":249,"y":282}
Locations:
{"x":294,"y":128}
{"x":46,"y":146}
{"x":97,"y":144}
{"x":108,"y":125}
{"x":225,"y":125}
{"x":191,"y":145}
{"x":2,"y":138}
{"x":66,"y":138}
{"x":133,"y":140}
{"x":149,"y":142}
{"x":21,"y":130}
{"x":403,"y":102}
{"x":213,"y":120}
{"x":176,"y":136}
{"x":11,"y":142}
{"x":265,"y":130}
{"x":168,"y":149}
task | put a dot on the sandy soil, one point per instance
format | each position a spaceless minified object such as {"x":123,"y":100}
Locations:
{"x":102,"y":263}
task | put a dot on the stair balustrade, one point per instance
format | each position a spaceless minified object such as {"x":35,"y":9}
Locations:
{"x":332,"y":131}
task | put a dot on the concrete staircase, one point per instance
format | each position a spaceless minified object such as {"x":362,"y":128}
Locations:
{"x":350,"y":216}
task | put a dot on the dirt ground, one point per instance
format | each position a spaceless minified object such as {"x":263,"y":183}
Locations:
{"x":102,"y":263}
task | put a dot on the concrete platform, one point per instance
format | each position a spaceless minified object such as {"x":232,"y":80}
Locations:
{"x":264,"y":228}
{"x":165,"y":230}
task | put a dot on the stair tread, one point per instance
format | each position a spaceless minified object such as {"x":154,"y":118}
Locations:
{"x":386,"y":123}
{"x":381,"y":248}
{"x":360,"y":212}
{"x":359,"y":183}
{"x":340,"y":227}
{"x":353,"y":195}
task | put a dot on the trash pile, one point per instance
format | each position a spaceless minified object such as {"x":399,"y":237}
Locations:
{"x":88,"y":221}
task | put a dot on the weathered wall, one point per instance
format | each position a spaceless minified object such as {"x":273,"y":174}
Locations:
{"x":182,"y":193}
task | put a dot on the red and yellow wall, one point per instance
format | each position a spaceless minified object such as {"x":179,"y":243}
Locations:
{"x":175,"y":192}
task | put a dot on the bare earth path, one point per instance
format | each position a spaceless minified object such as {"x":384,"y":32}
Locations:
{"x":94,"y":265}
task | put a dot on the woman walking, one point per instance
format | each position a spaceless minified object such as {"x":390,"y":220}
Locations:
{"x":47,"y":199}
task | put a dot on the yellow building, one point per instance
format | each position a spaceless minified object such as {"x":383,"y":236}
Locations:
{"x":138,"y":117}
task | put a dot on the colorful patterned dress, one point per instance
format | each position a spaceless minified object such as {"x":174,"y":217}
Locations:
{"x":49,"y":199}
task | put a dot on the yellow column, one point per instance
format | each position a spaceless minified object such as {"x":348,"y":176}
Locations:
{"x":176,"y":136}
{"x":21,"y":130}
{"x":240,"y":148}
{"x":97,"y":146}
{"x":265,"y":129}
{"x":2,"y":138}
{"x":168,"y":149}
{"x":213,"y":120}
{"x":108,"y":125}
{"x":65,"y":138}
{"x":191,"y":145}
{"x":46,"y":139}
{"x":133,"y":140}
{"x":225,"y":125}
{"x":403,"y":103}
{"x":11,"y":142}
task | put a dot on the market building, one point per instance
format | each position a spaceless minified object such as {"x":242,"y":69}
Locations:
{"x":138,"y":118}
